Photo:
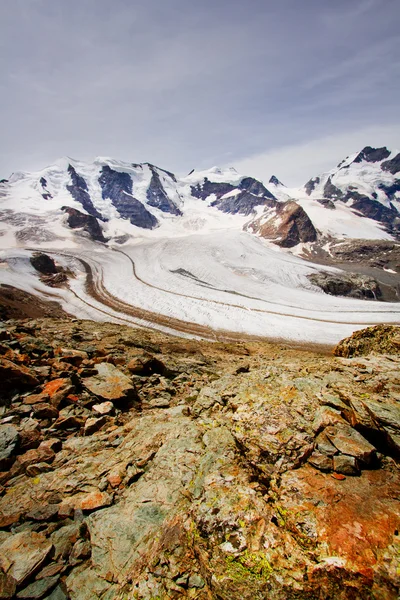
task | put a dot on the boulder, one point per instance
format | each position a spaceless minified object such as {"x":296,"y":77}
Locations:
{"x":112,"y":385}
{"x":346,"y":465}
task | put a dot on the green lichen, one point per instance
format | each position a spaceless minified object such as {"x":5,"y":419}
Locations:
{"x":249,"y":565}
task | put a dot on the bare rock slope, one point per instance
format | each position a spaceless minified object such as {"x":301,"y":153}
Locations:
{"x":137,"y":465}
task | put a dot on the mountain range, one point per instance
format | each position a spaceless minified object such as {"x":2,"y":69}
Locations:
{"x":349,"y":215}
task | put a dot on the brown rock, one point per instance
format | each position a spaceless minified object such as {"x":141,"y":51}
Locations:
{"x":36,"y":398}
{"x":50,"y":570}
{"x":16,"y":376}
{"x":326,"y":416}
{"x":81,"y":551}
{"x":25,"y":553}
{"x":45,"y":411}
{"x":68,"y":423}
{"x":92,"y":425}
{"x":321,"y":461}
{"x":30,"y":434}
{"x":43,"y":513}
{"x":8,"y":586}
{"x":36,"y":455}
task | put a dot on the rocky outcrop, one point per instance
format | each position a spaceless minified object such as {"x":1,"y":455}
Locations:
{"x":287,"y":225}
{"x":393,"y":165}
{"x":240,"y":199}
{"x":242,"y":203}
{"x":331,"y":191}
{"x":78,"y":220}
{"x":381,"y":339}
{"x":369,"y":154}
{"x":264,"y":472}
{"x":117,"y":186}
{"x":156,"y":195}
{"x":353,"y":285}
{"x":311,"y":184}
{"x":79,"y":191}
{"x":43,"y":263}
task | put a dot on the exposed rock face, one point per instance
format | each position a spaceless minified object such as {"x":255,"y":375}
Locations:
{"x":210,"y":187}
{"x":118,"y":187}
{"x":286,"y":226}
{"x":393,"y":166}
{"x":79,"y":191}
{"x":43,"y":263}
{"x":242,"y":203}
{"x":311,"y":184}
{"x":326,"y":203}
{"x":78,"y":220}
{"x":380,"y":339}
{"x":240,"y":199}
{"x":269,"y":473}
{"x":331,"y":191}
{"x":372,"y":154}
{"x":347,"y":284}
{"x":156,"y":195}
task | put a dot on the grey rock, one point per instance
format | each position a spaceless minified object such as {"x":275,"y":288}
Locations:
{"x":38,"y":589}
{"x":8,"y":443}
{"x":111,"y":384}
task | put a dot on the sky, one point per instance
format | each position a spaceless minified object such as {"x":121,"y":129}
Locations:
{"x":284,"y":87}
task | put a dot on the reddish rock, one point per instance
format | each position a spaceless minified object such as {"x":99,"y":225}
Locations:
{"x":326,"y":416}
{"x":58,"y":390}
{"x":354,"y":519}
{"x":74,"y":357}
{"x":10,"y":519}
{"x":90,"y":501}
{"x":36,"y":455}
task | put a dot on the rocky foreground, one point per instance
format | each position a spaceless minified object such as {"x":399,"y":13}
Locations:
{"x":137,"y":465}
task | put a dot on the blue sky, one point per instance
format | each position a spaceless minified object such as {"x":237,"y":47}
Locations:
{"x":269,"y":86}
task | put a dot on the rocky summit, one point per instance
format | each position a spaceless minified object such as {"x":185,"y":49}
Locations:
{"x":137,"y":465}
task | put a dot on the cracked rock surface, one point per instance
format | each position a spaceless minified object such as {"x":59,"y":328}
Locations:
{"x":138,"y":465}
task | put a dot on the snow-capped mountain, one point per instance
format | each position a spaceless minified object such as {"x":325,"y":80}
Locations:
{"x":368,"y":182}
{"x":114,"y":199}
{"x":135,"y":243}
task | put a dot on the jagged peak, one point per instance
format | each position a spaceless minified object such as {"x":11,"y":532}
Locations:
{"x":275,"y":181}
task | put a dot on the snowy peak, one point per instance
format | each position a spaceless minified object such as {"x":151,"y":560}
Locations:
{"x":367,"y":182}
